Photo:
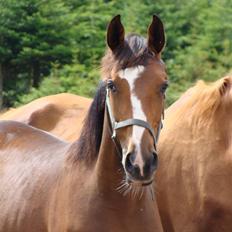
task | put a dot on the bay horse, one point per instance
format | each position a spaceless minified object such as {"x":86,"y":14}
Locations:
{"x":103,"y":181}
{"x":61,"y":114}
{"x":194,"y":178}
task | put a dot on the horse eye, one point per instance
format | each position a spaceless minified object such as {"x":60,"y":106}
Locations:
{"x":111,"y":85}
{"x":164,"y":88}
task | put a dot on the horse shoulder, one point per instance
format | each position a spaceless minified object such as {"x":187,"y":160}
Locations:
{"x":31,"y":162}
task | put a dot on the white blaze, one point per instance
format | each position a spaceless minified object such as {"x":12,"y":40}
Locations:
{"x":131,"y":75}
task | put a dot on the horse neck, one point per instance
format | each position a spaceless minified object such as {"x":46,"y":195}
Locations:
{"x":109,"y":174}
{"x":108,"y":167}
{"x":224,"y":125}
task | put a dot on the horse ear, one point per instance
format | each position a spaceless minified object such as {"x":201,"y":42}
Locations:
{"x":225,"y":86}
{"x":115,"y":33}
{"x":156,"y":36}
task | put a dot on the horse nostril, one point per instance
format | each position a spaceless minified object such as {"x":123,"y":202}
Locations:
{"x":131,"y":168}
{"x":154,"y":160}
{"x":128,"y":163}
{"x":151,"y":165}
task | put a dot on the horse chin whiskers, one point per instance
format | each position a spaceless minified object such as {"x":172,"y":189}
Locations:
{"x":135,"y":189}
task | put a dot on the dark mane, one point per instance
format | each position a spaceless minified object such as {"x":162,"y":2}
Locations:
{"x":134,"y":52}
{"x":88,"y":144}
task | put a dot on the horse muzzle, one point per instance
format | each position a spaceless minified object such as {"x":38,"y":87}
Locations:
{"x":140,"y":170}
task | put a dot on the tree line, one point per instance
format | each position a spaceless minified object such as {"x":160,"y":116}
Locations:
{"x":54,"y":46}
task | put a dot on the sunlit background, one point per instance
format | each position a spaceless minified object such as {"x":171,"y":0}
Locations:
{"x":54,"y":46}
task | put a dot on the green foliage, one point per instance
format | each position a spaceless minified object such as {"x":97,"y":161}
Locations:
{"x":33,"y":34}
{"x":71,"y":78}
{"x":199,"y":42}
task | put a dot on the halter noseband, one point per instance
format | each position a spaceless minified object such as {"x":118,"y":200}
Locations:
{"x":128,"y":122}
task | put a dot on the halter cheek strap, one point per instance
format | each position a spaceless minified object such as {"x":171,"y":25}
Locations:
{"x":128,"y":122}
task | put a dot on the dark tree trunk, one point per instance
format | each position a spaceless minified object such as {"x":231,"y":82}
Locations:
{"x":1,"y":87}
{"x":36,"y":74}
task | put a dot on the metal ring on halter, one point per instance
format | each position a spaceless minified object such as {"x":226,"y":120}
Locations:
{"x":129,"y":122}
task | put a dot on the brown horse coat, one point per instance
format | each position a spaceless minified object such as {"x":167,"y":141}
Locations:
{"x":30,"y":165}
{"x":194,"y":178}
{"x":53,"y":114}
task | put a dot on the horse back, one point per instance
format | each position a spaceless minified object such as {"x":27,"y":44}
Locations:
{"x":53,"y":113}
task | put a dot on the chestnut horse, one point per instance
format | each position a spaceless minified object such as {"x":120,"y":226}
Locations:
{"x":194,"y":178}
{"x":60,"y":114}
{"x":103,"y":181}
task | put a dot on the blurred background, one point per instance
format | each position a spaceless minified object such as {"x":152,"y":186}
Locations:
{"x":54,"y":46}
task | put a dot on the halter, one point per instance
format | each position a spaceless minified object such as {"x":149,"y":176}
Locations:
{"x":128,"y":122}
